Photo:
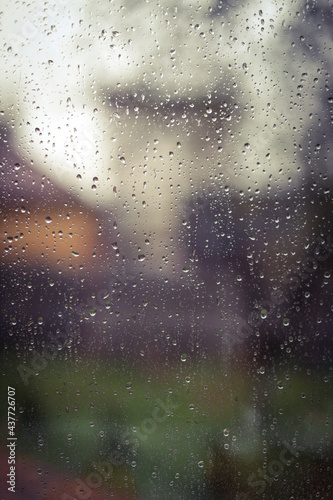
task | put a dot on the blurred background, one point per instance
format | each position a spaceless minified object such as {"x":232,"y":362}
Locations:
{"x":167,"y":253}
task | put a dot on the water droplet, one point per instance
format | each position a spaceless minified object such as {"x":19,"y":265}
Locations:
{"x":48,"y":220}
{"x":201,"y":464}
{"x":183,"y":357}
{"x":263,"y":314}
{"x":226,"y":432}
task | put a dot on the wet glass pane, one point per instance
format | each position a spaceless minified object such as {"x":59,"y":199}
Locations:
{"x":167,"y":254}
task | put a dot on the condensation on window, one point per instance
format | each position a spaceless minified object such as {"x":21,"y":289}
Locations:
{"x":166,"y":240}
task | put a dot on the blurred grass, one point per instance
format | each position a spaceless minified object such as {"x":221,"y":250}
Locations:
{"x":224,"y":418}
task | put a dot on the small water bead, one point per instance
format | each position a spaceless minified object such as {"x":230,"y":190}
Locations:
{"x":263,"y":314}
{"x":201,"y":464}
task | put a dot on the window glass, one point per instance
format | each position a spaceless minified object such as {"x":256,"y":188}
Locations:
{"x":167,"y":253}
